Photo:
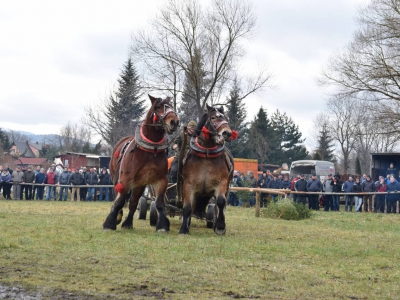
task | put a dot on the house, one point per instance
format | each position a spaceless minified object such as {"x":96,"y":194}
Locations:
{"x":36,"y":147}
{"x":74,"y":160}
{"x":32,"y":161}
{"x":21,"y":149}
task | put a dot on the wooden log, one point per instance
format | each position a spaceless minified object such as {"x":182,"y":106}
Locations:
{"x":258,"y":197}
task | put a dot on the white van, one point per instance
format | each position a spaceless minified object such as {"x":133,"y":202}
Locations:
{"x":307,"y":167}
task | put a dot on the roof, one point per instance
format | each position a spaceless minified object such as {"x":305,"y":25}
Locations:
{"x":23,"y":148}
{"x":31,"y":161}
{"x":36,"y":145}
{"x":310,"y":162}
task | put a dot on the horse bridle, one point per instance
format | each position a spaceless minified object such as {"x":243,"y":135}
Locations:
{"x":161,"y":117}
{"x":214,"y":126}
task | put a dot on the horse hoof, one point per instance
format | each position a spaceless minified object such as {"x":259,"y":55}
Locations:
{"x":108,"y":229}
{"x":220,"y":231}
{"x":162,"y":230}
{"x":126,"y":227}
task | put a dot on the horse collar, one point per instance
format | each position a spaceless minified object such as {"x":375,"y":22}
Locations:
{"x":204,"y":151}
{"x":147,"y":145}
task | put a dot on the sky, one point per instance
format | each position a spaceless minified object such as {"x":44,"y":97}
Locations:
{"x":59,"y":57}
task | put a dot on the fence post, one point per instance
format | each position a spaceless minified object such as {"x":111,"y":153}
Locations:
{"x":258,"y":204}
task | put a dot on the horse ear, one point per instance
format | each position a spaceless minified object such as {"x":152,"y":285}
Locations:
{"x":152,"y":99}
{"x":168,"y":100}
{"x":221,"y":110}
{"x":208,"y":108}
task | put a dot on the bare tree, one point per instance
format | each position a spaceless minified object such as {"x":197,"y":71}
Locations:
{"x":204,"y":44}
{"x":16,"y":136}
{"x":73,"y":136}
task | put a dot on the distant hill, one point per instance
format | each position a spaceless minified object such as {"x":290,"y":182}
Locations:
{"x":33,"y":138}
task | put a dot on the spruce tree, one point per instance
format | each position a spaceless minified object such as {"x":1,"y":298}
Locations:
{"x":4,"y":141}
{"x":325,"y":144}
{"x":287,"y":139}
{"x":260,"y":131}
{"x":237,"y":115}
{"x":126,"y":106}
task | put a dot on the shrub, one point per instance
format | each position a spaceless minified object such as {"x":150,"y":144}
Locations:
{"x":285,"y":208}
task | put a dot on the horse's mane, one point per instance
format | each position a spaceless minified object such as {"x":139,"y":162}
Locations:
{"x":151,"y":110}
{"x":200,"y":125}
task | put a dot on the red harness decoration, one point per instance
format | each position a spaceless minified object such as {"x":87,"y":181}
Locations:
{"x":234,"y":135}
{"x":116,"y":154}
{"x":206,"y":133}
{"x":206,"y":150}
{"x":119,"y":188}
{"x":149,"y":141}
{"x":155,"y":118}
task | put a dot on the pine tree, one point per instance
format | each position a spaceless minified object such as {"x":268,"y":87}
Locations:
{"x":325,"y":144}
{"x":125,"y":107}
{"x":5,"y":144}
{"x":286,"y":142}
{"x":358,"y":166}
{"x":237,"y":115}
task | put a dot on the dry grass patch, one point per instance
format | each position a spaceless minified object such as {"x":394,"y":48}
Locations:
{"x":60,"y":247}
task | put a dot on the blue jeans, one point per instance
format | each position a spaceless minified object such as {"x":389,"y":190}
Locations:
{"x":358,"y":203}
{"x":61,"y":193}
{"x":91,"y":192}
{"x":101,"y":194}
{"x":349,"y":201}
{"x":39,"y":192}
{"x":51,"y":189}
{"x":335,"y":202}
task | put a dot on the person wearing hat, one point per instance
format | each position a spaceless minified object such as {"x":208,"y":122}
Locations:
{"x":368,"y":186}
{"x":7,"y":167}
{"x":29,"y":177}
{"x":336,"y":188}
{"x":313,"y":186}
{"x":17,"y":177}
{"x":301,"y":186}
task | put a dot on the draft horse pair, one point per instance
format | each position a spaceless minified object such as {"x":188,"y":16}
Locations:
{"x":141,"y":160}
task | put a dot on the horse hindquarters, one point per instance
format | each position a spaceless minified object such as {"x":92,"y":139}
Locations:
{"x":220,"y":226}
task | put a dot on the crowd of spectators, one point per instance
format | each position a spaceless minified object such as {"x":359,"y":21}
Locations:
{"x":26,"y":183}
{"x":357,"y":187}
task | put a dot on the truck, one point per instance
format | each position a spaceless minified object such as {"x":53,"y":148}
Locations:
{"x":320,"y":168}
{"x":380,"y":163}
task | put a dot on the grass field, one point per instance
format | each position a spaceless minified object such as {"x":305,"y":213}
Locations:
{"x":59,"y":248}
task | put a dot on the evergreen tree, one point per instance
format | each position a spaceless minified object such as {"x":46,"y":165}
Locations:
{"x":260,"y":132}
{"x":316,"y":156}
{"x":325,"y":144}
{"x":5,"y":144}
{"x":358,"y":166}
{"x":86,"y":148}
{"x":125,"y":107}
{"x":286,"y":141}
{"x":49,"y":152}
{"x":236,"y":115}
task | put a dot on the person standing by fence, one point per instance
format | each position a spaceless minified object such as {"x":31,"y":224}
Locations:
{"x":5,"y":178}
{"x":368,"y":186}
{"x":17,"y":177}
{"x":336,"y":188}
{"x":64,"y":180}
{"x":357,"y":188}
{"x":29,"y":177}
{"x":379,"y":204}
{"x":51,"y":178}
{"x":104,"y":180}
{"x":40,"y":179}
{"x":392,"y":198}
{"x":327,"y":188}
{"x":348,"y":188}
{"x":313,"y":185}
{"x":301,"y":186}
{"x":76,"y":180}
{"x":91,"y":178}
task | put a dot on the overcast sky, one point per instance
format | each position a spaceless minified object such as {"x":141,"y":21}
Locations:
{"x":56,"y":57}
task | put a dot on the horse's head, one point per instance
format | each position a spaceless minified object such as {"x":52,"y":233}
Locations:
{"x":162,"y":113}
{"x":216,"y":125}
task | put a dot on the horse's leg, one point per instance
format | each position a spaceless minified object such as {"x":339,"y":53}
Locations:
{"x":220,"y":226}
{"x":188,"y":196}
{"x":116,"y":210}
{"x":160,"y":188}
{"x":133,"y":203}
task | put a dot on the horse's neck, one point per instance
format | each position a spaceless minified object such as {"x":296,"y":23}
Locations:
{"x":153,"y":133}
{"x":206,"y":143}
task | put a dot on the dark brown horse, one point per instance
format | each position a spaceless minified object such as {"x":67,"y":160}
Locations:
{"x":208,"y":169}
{"x":141,"y":160}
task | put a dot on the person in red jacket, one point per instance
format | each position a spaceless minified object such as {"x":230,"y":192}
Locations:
{"x":51,"y":178}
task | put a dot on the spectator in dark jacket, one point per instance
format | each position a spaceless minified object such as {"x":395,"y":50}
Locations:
{"x":276,"y":184}
{"x":83,"y":191}
{"x":379,"y":203}
{"x":91,"y":178}
{"x":348,"y":188}
{"x":40,"y":179}
{"x":263,"y":184}
{"x":327,"y":187}
{"x":313,"y":185}
{"x":392,"y":198}
{"x":104,"y":180}
{"x":76,"y":180}
{"x":368,"y":186}
{"x":29,"y":177}
{"x":301,"y":186}
{"x":357,"y":188}
{"x":64,"y":180}
{"x":336,"y":188}
{"x":286,"y":183}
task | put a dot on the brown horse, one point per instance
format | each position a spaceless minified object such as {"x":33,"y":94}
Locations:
{"x":141,"y":160}
{"x":207,"y":170}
